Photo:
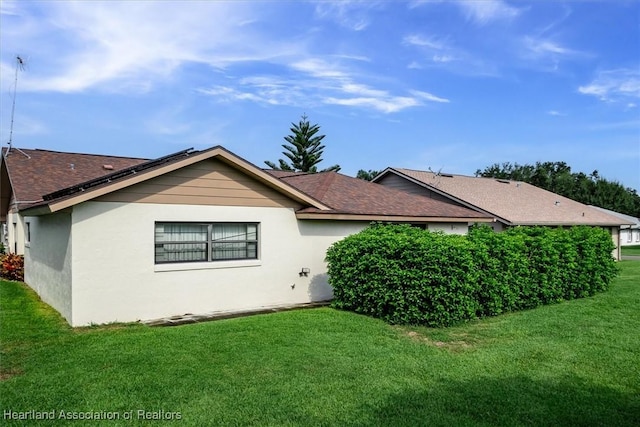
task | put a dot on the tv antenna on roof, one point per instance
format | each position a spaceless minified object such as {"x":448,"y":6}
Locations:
{"x":19,"y":66}
{"x":436,"y":175}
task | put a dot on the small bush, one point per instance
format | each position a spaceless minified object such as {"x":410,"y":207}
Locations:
{"x":12,"y":267}
{"x":406,"y":275}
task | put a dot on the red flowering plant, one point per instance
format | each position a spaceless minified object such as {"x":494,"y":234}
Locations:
{"x":12,"y":267}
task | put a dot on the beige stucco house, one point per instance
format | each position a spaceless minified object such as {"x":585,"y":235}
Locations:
{"x":511,"y":203}
{"x":193,"y":232}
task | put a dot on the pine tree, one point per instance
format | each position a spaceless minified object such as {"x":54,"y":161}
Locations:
{"x":304,"y":150}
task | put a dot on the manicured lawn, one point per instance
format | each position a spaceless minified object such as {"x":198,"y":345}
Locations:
{"x":575,"y":363}
{"x":631,"y":250}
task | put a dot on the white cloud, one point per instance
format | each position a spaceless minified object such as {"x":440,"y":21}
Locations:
{"x":385,"y":105}
{"x":429,"y":97}
{"x":9,"y":7}
{"x":423,"y":41}
{"x":546,"y":54}
{"x":315,"y":81}
{"x":125,"y":46}
{"x":230,"y":94}
{"x":359,"y":89}
{"x":319,"y":68}
{"x":555,"y":113}
{"x":484,"y":12}
{"x":347,"y":13}
{"x":133,"y":47}
{"x":539,"y":47}
{"x":345,"y":90}
{"x":621,"y":85}
{"x":438,"y":50}
{"x":443,"y":58}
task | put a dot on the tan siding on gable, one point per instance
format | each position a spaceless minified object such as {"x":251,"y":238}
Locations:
{"x":210,"y":182}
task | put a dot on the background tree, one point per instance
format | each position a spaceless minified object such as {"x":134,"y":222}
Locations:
{"x":304,"y":150}
{"x":367,"y":175}
{"x":557,"y":177}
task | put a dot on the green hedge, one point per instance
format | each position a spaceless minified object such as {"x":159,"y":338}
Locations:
{"x":406,"y":275}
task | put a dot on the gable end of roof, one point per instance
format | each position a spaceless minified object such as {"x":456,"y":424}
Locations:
{"x":88,"y":190}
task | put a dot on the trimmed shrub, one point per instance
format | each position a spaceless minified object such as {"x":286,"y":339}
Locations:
{"x":383,"y":271}
{"x":405,"y":275}
{"x":12,"y":267}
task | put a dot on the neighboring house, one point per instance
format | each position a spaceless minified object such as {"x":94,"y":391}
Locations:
{"x":38,"y":172}
{"x":200,"y":232}
{"x":512,"y":203}
{"x":630,"y":232}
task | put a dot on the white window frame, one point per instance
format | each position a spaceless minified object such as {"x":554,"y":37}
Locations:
{"x":252,"y":248}
{"x":27,"y":233}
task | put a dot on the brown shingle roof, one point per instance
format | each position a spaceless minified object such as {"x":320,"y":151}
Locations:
{"x":40,"y":172}
{"x":43,"y":172}
{"x":347,"y":195}
{"x":85,"y":190}
{"x":518,"y":203}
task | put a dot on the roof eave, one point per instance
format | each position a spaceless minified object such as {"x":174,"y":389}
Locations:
{"x":36,"y":210}
{"x":565,"y":224}
{"x":391,"y":218}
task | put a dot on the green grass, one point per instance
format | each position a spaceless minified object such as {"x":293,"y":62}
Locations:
{"x":575,"y":363}
{"x":630,"y":250}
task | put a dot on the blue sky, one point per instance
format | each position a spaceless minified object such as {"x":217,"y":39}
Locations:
{"x":447,"y":85}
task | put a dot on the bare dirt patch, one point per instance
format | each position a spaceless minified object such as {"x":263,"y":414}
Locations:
{"x":457,"y":345}
{"x":8,"y":374}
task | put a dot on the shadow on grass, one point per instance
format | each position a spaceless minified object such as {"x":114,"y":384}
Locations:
{"x":508,"y":402}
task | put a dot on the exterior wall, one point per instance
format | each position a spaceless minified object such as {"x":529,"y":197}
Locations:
{"x":15,"y":233}
{"x":115,"y":278}
{"x":449,"y":228}
{"x":498,"y":226}
{"x":629,"y":236}
{"x":317,"y":236}
{"x":4,"y":236}
{"x":48,"y":260}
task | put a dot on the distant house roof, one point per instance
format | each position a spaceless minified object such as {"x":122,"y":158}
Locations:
{"x":33,"y":173}
{"x":632,"y":222}
{"x":513,"y":202}
{"x":347,"y":196}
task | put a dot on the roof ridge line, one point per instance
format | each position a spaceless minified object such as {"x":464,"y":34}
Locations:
{"x":43,"y":150}
{"x":326,"y":183}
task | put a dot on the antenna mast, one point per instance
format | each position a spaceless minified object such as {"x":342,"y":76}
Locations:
{"x":19,"y":66}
